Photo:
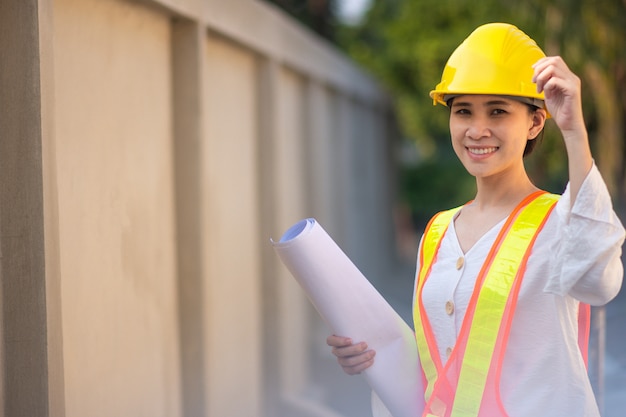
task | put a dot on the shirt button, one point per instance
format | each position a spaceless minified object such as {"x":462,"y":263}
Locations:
{"x":448,"y":351}
{"x":449,"y":307}
{"x":459,"y":263}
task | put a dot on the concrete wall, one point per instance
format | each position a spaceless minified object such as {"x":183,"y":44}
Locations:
{"x":148,"y":151}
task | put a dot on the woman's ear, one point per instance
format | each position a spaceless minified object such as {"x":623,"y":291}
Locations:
{"x":539,"y":117}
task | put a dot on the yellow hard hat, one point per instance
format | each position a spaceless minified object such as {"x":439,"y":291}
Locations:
{"x":496,"y":58}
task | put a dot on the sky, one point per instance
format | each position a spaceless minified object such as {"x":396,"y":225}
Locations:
{"x":352,"y":10}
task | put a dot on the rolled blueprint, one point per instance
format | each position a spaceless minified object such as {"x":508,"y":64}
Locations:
{"x":352,"y":307}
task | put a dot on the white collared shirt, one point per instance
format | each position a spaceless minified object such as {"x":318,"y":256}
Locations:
{"x":576,"y":257}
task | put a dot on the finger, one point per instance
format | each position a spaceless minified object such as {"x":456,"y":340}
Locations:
{"x":349,"y":350}
{"x":541,"y":63}
{"x":554,"y":61}
{"x":543,"y":73}
{"x":545,"y":76}
{"x":356,"y":360}
{"x":549,"y":68}
{"x":359,"y":367}
{"x":567,"y":85}
{"x":338,"y":341}
{"x":554,"y":86}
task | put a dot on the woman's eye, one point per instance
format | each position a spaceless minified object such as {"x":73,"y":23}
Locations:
{"x":462,"y":111}
{"x":498,"y":111}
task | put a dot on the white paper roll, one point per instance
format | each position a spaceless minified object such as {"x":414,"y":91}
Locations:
{"x":352,"y":307}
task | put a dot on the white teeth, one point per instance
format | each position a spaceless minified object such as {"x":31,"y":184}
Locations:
{"x":481,"y":151}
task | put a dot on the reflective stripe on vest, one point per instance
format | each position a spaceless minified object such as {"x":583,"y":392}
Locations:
{"x":468,"y":384}
{"x":425,"y":340}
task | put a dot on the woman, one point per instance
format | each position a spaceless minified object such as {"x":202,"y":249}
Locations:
{"x":503,"y":283}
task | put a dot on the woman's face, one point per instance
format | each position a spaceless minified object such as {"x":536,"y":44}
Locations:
{"x":489,"y":133}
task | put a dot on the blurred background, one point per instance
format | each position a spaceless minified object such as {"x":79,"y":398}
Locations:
{"x":149,"y":149}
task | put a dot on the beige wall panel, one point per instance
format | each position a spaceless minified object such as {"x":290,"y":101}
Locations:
{"x":366,"y":174}
{"x":230,"y":229}
{"x":322,"y":137}
{"x":113,"y":130}
{"x":359,"y":188}
{"x":349,"y":153}
{"x":292,"y":206}
{"x":381,"y":238}
{"x":264,"y":28}
{"x":342,"y":150}
{"x":291,"y":154}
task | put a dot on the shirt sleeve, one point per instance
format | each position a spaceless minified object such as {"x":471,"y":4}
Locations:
{"x":587,"y":245}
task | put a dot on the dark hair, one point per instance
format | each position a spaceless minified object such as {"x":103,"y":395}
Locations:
{"x":531,"y":144}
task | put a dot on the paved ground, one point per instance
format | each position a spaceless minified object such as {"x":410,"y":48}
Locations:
{"x":353,"y":401}
{"x":615,"y":359}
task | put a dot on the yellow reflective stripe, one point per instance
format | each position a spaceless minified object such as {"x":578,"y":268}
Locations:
{"x":491,"y":304}
{"x":432,"y":237}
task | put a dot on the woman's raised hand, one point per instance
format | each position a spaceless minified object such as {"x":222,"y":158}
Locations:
{"x":562,"y":90}
{"x":353,"y":358}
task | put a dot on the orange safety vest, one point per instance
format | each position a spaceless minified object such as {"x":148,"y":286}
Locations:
{"x":468,"y":384}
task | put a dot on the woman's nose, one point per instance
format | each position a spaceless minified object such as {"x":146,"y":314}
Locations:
{"x":477,"y":128}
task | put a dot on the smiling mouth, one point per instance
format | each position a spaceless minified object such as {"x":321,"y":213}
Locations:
{"x":482,"y":151}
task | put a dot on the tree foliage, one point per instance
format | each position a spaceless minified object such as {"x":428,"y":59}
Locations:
{"x":320,"y":16}
{"x":405,"y":43}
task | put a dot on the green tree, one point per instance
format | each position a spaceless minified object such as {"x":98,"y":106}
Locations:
{"x":405,"y":43}
{"x":592,"y":37}
{"x":320,"y":16}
